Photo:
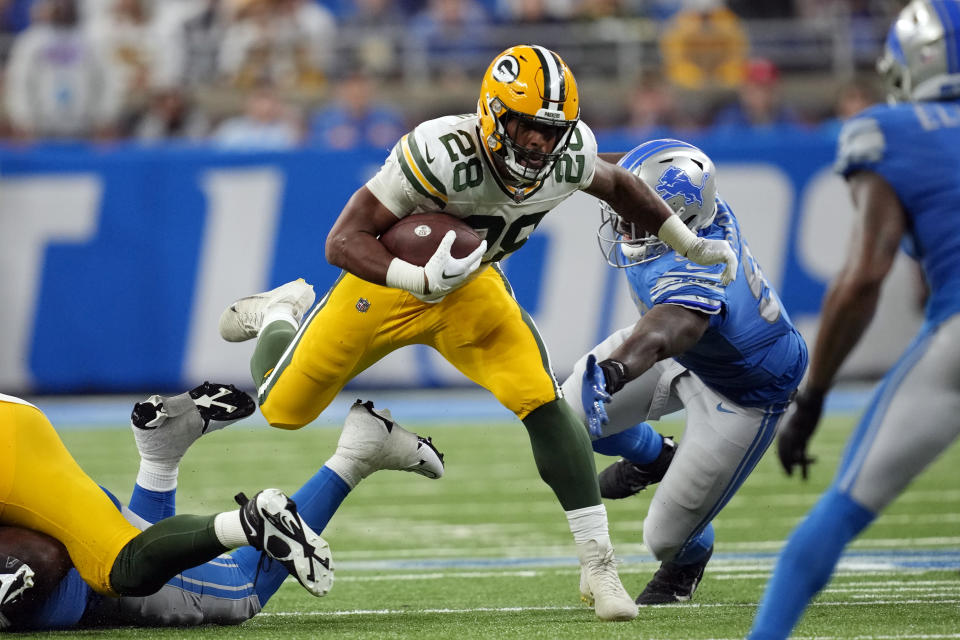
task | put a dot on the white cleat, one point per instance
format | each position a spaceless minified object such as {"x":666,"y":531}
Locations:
{"x":600,"y":584}
{"x":272,"y":525}
{"x":165,"y":427}
{"x":243,"y":319}
{"x":372,"y":441}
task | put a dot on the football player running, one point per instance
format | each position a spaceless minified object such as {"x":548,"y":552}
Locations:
{"x":38,"y":592}
{"x":501,"y":170}
{"x":728,"y":354}
{"x":900,"y":162}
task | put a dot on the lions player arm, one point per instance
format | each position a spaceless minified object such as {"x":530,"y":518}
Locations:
{"x":852,"y":296}
{"x":352,"y":243}
{"x":665,"y":331}
{"x":629,"y":196}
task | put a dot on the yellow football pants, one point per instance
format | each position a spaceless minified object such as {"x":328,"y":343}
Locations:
{"x":479,"y":328}
{"x":44,"y":489}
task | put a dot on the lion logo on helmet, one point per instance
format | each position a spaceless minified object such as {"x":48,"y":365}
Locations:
{"x":675,"y":182}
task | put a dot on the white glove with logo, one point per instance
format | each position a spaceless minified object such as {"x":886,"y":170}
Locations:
{"x":444,"y":272}
{"x":707,"y":251}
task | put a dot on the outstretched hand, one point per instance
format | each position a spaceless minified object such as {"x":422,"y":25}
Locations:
{"x":593,"y":395}
{"x":795,"y":434}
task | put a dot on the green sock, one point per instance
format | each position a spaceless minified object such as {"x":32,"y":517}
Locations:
{"x":163,"y":551}
{"x":564,"y":457}
{"x":273,"y":341}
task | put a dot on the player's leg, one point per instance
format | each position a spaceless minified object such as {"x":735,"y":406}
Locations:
{"x":370,"y":441}
{"x":348,"y":330}
{"x":718,"y":451}
{"x":507,"y":356}
{"x":880,"y":461}
{"x":111,"y":555}
{"x":164,"y":427}
{"x":645,"y":454}
{"x":273,"y":317}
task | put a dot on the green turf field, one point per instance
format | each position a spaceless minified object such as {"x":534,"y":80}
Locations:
{"x":485,"y":552}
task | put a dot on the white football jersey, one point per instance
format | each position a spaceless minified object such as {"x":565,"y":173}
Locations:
{"x":442,"y":165}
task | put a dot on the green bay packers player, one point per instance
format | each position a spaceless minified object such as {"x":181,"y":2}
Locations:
{"x":42,"y":488}
{"x":501,"y":170}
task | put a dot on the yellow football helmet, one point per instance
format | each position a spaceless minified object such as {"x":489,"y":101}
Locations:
{"x":531,"y":85}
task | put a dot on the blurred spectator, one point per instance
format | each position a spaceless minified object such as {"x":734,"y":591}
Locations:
{"x":376,"y":23}
{"x":519,"y":12}
{"x":653,"y":111}
{"x":285,"y":42}
{"x":267,"y":123}
{"x":171,"y":115}
{"x":128,"y":45}
{"x":759,"y":103}
{"x":57,"y":84}
{"x":355,"y":119}
{"x":191,"y":32}
{"x":853,"y":97}
{"x":14,"y":15}
{"x":704,"y":48}
{"x":454,"y":33}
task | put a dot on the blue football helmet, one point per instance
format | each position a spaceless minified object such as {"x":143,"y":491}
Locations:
{"x":685,"y":178}
{"x":921,"y":58}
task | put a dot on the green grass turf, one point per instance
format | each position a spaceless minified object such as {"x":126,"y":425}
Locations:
{"x":485,"y":552}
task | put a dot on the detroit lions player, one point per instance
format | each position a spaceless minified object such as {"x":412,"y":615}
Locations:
{"x":727,"y":354}
{"x":231,"y":588}
{"x":501,"y":169}
{"x":901,"y":164}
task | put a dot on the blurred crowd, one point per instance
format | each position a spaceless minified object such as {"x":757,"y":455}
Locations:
{"x":340,"y":74}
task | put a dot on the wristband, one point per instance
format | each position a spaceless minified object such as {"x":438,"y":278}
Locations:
{"x":403,"y":275}
{"x":677,"y":235}
{"x":615,"y":375}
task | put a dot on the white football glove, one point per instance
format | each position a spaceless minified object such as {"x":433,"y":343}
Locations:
{"x":707,"y":251}
{"x":444,"y":272}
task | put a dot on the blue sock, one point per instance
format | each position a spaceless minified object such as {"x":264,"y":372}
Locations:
{"x":807,"y":562}
{"x":640,"y":444}
{"x":153,"y":506}
{"x":696,"y":549}
{"x":317,"y":501}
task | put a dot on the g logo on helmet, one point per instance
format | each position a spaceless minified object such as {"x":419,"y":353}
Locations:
{"x":506,"y":69}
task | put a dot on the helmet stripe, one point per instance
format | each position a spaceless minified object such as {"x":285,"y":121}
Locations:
{"x":647,"y":149}
{"x":949,"y":13}
{"x":561,"y":78}
{"x":551,"y":73}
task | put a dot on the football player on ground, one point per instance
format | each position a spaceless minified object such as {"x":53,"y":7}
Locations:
{"x":501,"y":170}
{"x":900,"y":162}
{"x":42,"y":488}
{"x":728,"y":354}
{"x":231,"y":588}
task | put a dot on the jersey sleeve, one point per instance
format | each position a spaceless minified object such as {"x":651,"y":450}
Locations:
{"x":690,"y":285}
{"x":409,"y":179}
{"x":586,"y":145}
{"x":861,"y":146}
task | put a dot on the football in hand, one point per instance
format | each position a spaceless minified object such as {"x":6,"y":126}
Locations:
{"x":416,"y":237}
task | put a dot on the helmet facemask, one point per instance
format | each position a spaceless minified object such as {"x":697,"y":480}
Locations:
{"x":681,"y":174}
{"x":527,"y":165}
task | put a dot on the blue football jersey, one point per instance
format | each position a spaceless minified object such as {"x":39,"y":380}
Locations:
{"x":916,"y":148}
{"x":751,"y":352}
